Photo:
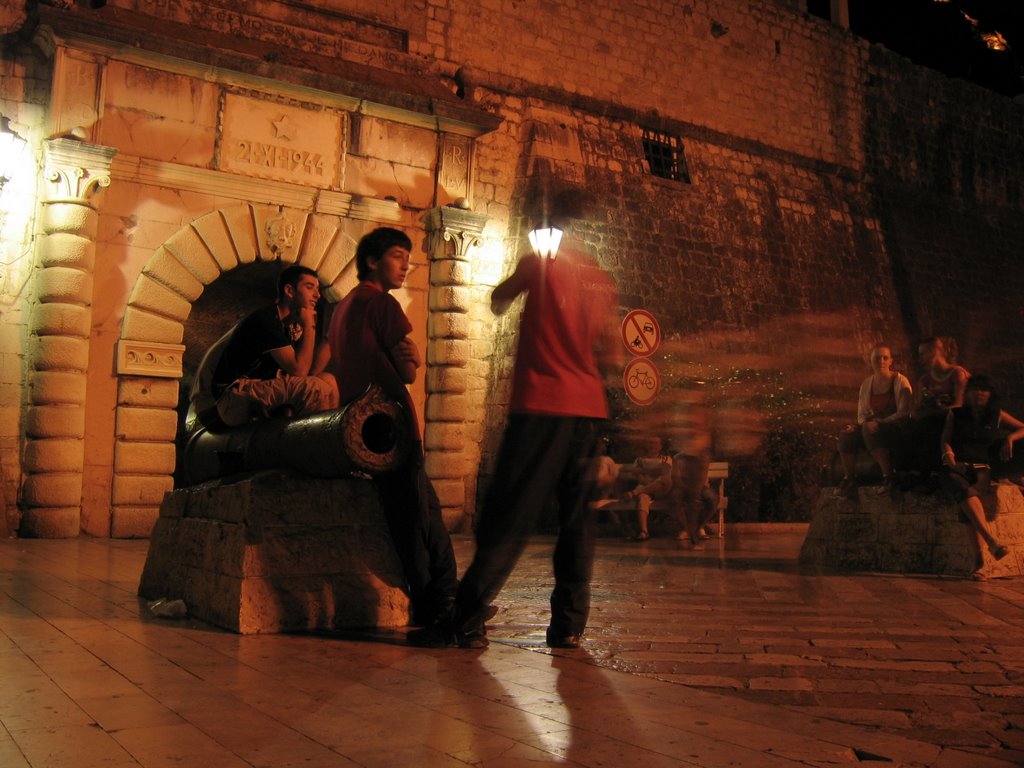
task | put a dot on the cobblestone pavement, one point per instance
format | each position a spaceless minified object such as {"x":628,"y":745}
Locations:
{"x":726,"y":657}
{"x":932,"y":659}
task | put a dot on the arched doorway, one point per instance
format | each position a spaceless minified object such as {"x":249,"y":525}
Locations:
{"x":245,"y":242}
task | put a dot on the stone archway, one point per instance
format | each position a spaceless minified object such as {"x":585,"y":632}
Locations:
{"x":150,"y":350}
{"x":149,"y":355}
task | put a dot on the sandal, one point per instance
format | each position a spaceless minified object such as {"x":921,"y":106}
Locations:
{"x":887,"y":487}
{"x":642,"y":536}
{"x":847,"y":489}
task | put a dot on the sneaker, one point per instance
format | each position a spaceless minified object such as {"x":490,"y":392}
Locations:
{"x":556,"y":640}
{"x":475,"y":639}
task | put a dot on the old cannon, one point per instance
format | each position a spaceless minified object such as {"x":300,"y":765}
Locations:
{"x":369,"y":436}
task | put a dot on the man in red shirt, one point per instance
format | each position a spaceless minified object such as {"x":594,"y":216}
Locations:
{"x":568,"y":342}
{"x":370,"y":344}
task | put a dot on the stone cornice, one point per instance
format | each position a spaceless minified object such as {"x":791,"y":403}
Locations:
{"x":411,"y":98}
{"x":252,"y":190}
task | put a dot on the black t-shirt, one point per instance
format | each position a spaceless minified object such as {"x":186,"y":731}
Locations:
{"x":247,"y":355}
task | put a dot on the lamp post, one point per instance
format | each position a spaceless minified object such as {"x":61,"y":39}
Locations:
{"x":11,"y":147}
{"x":545,"y":240}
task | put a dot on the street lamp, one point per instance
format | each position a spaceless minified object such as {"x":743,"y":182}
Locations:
{"x":545,"y":240}
{"x":11,"y":147}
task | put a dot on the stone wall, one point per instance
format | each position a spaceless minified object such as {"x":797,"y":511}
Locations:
{"x":829,"y":207}
{"x":837,"y":195}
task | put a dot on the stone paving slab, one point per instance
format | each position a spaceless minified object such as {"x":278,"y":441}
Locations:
{"x":726,"y":656}
{"x":928,"y":659}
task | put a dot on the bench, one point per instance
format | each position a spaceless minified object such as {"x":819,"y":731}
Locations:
{"x":718,"y":471}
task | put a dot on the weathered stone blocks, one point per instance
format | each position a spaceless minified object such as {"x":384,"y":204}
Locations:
{"x":277,"y":552}
{"x":139,"y":324}
{"x":51,"y":522}
{"x":914,"y":533}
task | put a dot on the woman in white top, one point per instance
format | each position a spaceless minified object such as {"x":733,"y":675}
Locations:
{"x":883,"y":407}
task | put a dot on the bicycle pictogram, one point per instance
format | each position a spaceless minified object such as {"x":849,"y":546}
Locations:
{"x":641,"y":379}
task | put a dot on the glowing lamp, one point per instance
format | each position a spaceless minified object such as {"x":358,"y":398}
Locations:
{"x":11,"y":146}
{"x":545,"y":241}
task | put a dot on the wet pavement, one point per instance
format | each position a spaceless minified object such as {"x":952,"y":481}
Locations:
{"x":725,"y":656}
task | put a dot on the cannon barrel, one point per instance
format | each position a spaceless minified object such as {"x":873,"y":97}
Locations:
{"x":369,"y":436}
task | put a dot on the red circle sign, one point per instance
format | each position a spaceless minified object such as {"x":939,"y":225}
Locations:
{"x":641,"y":381}
{"x":641,"y":333}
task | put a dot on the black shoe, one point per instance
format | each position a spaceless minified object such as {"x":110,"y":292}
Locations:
{"x":474,"y":639}
{"x":554,"y":640}
{"x":434,"y":636}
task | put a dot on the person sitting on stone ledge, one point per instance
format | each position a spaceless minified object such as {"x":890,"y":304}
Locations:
{"x":271,"y":363}
{"x":883,"y":408}
{"x":939,"y":388}
{"x":978,"y":446}
{"x":370,"y":345}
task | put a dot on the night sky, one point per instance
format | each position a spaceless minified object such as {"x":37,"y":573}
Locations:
{"x":936,"y":34}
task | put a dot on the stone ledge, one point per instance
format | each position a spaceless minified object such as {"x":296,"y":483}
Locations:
{"x":277,"y":552}
{"x":913,"y":533}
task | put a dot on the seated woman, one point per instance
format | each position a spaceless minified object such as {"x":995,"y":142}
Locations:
{"x":939,"y":388}
{"x":977,"y":434}
{"x":883,"y":407}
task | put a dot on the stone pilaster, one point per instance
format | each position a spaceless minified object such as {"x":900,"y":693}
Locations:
{"x":452,"y":232}
{"x":59,"y":327}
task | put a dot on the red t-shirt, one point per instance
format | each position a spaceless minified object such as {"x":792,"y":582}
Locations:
{"x":365,"y":325}
{"x":570,"y":300}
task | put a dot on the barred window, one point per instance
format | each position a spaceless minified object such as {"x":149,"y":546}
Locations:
{"x":664,"y":154}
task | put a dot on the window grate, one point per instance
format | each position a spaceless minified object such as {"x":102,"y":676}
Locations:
{"x":664,"y":154}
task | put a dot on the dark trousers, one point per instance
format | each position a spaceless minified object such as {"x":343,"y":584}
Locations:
{"x":540,"y":456}
{"x":424,"y":547}
{"x":919,"y":444}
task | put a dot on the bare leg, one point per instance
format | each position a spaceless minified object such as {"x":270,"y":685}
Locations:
{"x":881,"y":457}
{"x":849,"y":462}
{"x":976,"y":514}
{"x":643,"y":512}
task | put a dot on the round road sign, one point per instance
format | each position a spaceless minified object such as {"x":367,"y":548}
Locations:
{"x":641,"y":380}
{"x":641,"y":333}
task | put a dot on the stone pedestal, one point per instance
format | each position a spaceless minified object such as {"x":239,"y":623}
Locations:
{"x":913,"y":533}
{"x":277,"y":552}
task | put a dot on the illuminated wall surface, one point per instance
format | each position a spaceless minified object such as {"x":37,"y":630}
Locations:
{"x":777,"y":192}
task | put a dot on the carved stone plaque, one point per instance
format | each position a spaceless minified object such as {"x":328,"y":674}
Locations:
{"x":75,"y":92}
{"x":456,"y":166}
{"x":281,"y":141}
